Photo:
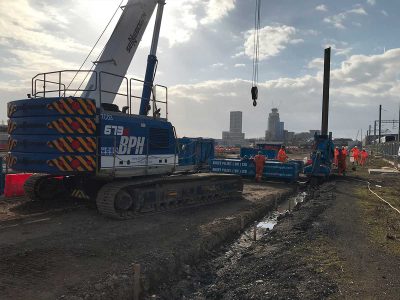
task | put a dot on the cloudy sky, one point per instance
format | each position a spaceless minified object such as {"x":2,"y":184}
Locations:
{"x":205,"y":58}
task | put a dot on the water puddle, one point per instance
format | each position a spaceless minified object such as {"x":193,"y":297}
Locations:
{"x":235,"y":251}
{"x":269,"y":221}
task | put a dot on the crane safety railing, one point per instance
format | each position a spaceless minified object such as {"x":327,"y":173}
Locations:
{"x":153,"y":100}
{"x":59,"y":78}
{"x":103,"y":75}
{"x":60,"y":84}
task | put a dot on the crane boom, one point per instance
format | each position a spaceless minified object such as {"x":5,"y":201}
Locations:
{"x":151,"y":63}
{"x":120,"y":49}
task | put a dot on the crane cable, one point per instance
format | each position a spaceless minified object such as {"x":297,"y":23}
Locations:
{"x":94,"y":46}
{"x":256,"y":52}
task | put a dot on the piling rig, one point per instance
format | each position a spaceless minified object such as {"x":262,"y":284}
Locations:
{"x":323,"y":147}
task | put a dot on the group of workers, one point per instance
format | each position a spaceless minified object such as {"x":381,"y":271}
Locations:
{"x":358,"y":158}
{"x":340,"y":157}
{"x":260,"y":160}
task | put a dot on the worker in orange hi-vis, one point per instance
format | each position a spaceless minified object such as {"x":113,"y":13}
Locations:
{"x":282,"y":157}
{"x":344,"y":150}
{"x":335,"y":156}
{"x":363,"y":157}
{"x":259,"y":160}
{"x":342,"y":161}
{"x":355,"y":154}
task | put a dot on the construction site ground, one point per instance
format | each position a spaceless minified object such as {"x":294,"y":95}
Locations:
{"x":63,"y":249}
{"x":340,"y":242}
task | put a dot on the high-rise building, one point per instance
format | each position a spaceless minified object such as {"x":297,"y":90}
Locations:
{"x":235,"y":136}
{"x":236,"y":121}
{"x":276,"y":128}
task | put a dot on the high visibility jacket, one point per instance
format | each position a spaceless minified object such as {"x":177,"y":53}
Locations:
{"x":259,"y":159}
{"x":282,"y":157}
{"x":364,"y":154}
{"x":336,"y":152}
{"x":342,"y":158}
{"x":355,"y":152}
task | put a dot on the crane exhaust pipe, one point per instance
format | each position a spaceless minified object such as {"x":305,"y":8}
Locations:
{"x":325,"y":95}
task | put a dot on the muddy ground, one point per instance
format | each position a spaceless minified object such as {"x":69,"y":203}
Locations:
{"x":66,"y":250}
{"x":342,"y":242}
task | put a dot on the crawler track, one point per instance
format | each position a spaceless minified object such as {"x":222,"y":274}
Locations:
{"x":165,"y":193}
{"x":30,"y":184}
{"x":42,"y":187}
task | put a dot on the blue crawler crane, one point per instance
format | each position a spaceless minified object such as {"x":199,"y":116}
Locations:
{"x":78,"y":142}
{"x":323,"y":149}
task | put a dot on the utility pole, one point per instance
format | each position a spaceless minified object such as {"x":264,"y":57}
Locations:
{"x":361,"y":139}
{"x":375,"y":132}
{"x":369,"y":134}
{"x":398,"y":132}
{"x":380,"y":122}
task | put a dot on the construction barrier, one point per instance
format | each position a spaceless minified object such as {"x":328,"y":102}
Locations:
{"x":14,"y":184}
{"x":272,"y":169}
{"x":2,"y":177}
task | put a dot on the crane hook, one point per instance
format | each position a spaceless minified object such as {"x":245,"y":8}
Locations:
{"x":254,"y":94}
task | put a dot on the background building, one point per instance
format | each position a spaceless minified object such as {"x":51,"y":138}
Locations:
{"x":313,"y":132}
{"x":276,"y":128}
{"x":235,"y":136}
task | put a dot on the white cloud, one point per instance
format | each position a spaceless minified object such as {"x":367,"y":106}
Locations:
{"x":311,"y":32}
{"x":217,"y":65}
{"x":179,"y":22}
{"x":273,"y":39}
{"x":296,"y":41}
{"x":338,"y":47}
{"x":321,"y":7}
{"x":239,"y":65}
{"x":358,"y":85}
{"x":316,"y":63}
{"x":239,"y":54}
{"x":339,"y":19}
{"x":384,"y":12}
{"x":217,"y":9}
{"x":23,"y":26}
{"x":25,"y":62}
{"x":371,"y":2}
{"x":182,"y":18}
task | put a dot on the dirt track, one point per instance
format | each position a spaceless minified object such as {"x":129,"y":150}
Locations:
{"x":66,"y":250}
{"x":341,"y":242}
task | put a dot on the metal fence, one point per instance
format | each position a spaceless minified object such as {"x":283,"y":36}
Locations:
{"x":387,"y":150}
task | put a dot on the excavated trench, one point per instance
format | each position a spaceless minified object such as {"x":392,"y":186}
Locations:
{"x":229,"y":242}
{"x":233,"y":251}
